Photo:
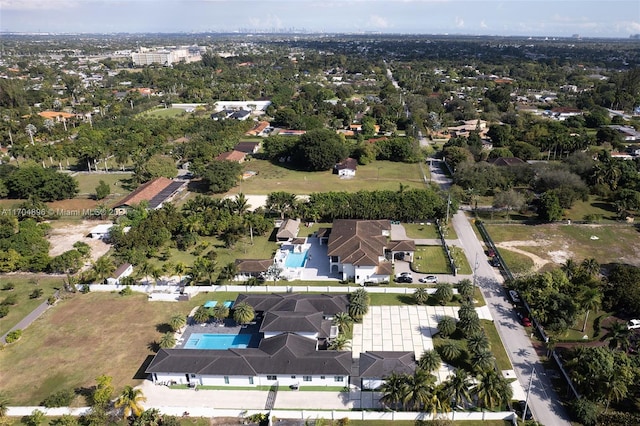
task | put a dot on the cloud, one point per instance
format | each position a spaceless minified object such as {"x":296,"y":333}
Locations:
{"x":459,"y":22}
{"x":378,"y":22}
{"x":483,"y":24}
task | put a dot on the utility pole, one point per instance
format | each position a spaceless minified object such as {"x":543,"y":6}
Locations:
{"x":526,"y":401}
{"x":475,"y":272}
{"x":446,"y":222}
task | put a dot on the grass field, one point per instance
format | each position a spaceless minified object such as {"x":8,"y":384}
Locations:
{"x":418,"y":230}
{"x":497,"y":349}
{"x":516,"y":262}
{"x":87,"y":182}
{"x":380,"y":175}
{"x":23,"y":287}
{"x":558,"y":242}
{"x":164,"y":113}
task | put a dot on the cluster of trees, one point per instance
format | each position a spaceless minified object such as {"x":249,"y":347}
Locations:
{"x":33,"y":181}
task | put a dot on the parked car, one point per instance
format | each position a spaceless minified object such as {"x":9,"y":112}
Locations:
{"x":526,"y":322}
{"x":494,"y":262}
{"x":406,"y":274}
{"x":404,"y":279}
{"x":521,"y":407}
{"x":633,"y":324}
{"x":429,"y":279}
{"x":515,"y":297}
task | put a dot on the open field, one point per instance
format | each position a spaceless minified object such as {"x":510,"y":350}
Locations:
{"x":379,"y":175}
{"x":164,"y":113}
{"x":23,"y":286}
{"x":419,"y":230}
{"x":87,"y":183}
{"x":430,"y":260}
{"x":555,"y":243}
{"x":82,"y":337}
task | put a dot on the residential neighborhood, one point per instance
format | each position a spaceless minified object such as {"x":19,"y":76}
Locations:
{"x":202,"y":227}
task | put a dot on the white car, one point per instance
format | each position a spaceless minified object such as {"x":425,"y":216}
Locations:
{"x":429,"y":279}
{"x":633,"y":324}
{"x":515,"y":297}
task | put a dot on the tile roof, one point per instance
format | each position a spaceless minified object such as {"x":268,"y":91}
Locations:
{"x":382,"y":363}
{"x":402,"y":245}
{"x":56,"y":114}
{"x":349,"y":163}
{"x":288,"y":229}
{"x":329,"y":304}
{"x":150,"y":191}
{"x":358,"y":242}
{"x":287,"y":321}
{"x":237,"y":156}
{"x":247,"y":147}
{"x":258,"y":128}
{"x":121,"y":269}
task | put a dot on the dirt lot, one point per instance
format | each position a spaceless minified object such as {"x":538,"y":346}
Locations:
{"x":63,"y":238}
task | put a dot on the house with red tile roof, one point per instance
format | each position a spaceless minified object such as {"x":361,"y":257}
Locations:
{"x":236,"y":156}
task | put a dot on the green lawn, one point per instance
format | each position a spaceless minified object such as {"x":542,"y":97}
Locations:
{"x":164,"y":113}
{"x":379,"y":175}
{"x":593,"y":206}
{"x":430,"y":260}
{"x":24,"y":304}
{"x":421,"y":230}
{"x":88,"y":182}
{"x":497,"y":349}
{"x":518,"y":263}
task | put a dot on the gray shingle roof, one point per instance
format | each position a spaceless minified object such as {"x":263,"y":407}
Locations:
{"x":380,"y":364}
{"x":284,"y":321}
{"x":358,"y":242}
{"x":329,"y":304}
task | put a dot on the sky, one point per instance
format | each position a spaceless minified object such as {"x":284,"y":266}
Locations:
{"x":552,"y":18}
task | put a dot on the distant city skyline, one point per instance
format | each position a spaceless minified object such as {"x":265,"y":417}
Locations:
{"x":540,"y":18}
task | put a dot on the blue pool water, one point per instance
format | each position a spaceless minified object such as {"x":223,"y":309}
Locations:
{"x":228,"y":304}
{"x":217,"y":341}
{"x":296,"y":260}
{"x":211,"y":303}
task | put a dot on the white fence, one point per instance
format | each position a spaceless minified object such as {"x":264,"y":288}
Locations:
{"x":208,"y":412}
{"x":170,"y":293}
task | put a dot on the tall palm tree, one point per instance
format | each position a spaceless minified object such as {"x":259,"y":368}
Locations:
{"x":590,"y":266}
{"x":444,"y":293}
{"x":470,"y":325}
{"x":358,"y":309}
{"x":168,"y":340}
{"x":570,"y":268}
{"x":392,"y":390}
{"x":339,"y":343}
{"x":465,"y":288}
{"x":240,"y":204}
{"x":343,"y":321}
{"x":243,"y":313}
{"x":458,"y":386}
{"x":492,"y":389}
{"x":177,"y":321}
{"x":421,"y":295}
{"x":179,"y":269}
{"x":483,"y":360}
{"x":130,"y":401}
{"x":590,"y":299}
{"x":615,"y":389}
{"x":31,"y":130}
{"x":418,"y":390}
{"x":103,"y":267}
{"x":430,"y":361}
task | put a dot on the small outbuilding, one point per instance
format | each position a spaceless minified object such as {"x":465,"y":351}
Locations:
{"x":123,"y":271}
{"x":100,"y":232}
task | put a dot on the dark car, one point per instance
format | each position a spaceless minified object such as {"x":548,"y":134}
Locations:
{"x":404,"y":279}
{"x":494,"y":262}
{"x":521,"y":406}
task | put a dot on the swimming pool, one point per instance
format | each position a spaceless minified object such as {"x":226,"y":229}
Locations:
{"x":217,"y":341}
{"x":296,"y":260}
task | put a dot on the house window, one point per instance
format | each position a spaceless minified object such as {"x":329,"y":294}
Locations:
{"x":226,"y":380}
{"x":250,"y":380}
{"x":338,"y":379}
{"x":322,"y":377}
{"x":193,"y":376}
{"x":306,"y":378}
{"x":272,"y":377}
{"x":293,"y":377}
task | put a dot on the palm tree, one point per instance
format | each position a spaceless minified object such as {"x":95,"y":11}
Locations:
{"x":343,"y":321}
{"x":470,"y":325}
{"x":103,"y":267}
{"x":177,"y":321}
{"x":240,"y":204}
{"x":201,"y":315}
{"x":130,"y":400}
{"x":179,"y":269}
{"x":339,"y":343}
{"x":615,"y":389}
{"x":156,"y":273}
{"x":358,"y":309}
{"x":418,"y":390}
{"x":444,"y":293}
{"x":478,"y":342}
{"x":168,"y":340}
{"x":421,"y":295}
{"x":429,"y":361}
{"x":466,"y":288}
{"x":446,"y":326}
{"x":590,"y":267}
{"x":243,"y":313}
{"x":31,"y":131}
{"x":449,"y":350}
{"x":467,"y":310}
{"x":483,"y":360}
{"x":392,"y":390}
{"x":570,"y":268}
{"x":457,"y":387}
{"x":220,"y":312}
{"x":492,"y":389}
{"x":4,"y":406}
{"x":590,"y":299}
{"x":145,"y":270}
{"x":619,"y":336}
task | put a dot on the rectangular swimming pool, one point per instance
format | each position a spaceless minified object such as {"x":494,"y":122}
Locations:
{"x":296,"y":260}
{"x":217,"y":341}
